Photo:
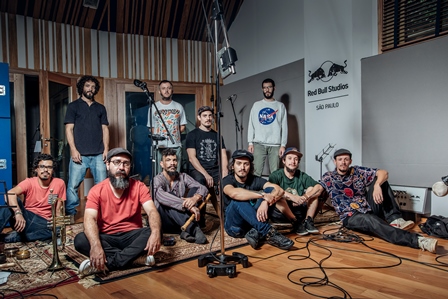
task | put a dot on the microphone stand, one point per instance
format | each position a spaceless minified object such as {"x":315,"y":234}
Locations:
{"x":220,"y":264}
{"x":155,"y":138}
{"x":320,"y":158}
{"x":237,"y":125}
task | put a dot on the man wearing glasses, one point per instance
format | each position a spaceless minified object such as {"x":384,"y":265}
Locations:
{"x":267,"y":131}
{"x":29,"y":218}
{"x":114,"y":236}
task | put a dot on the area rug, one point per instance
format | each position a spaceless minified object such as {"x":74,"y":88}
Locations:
{"x":37,"y":278}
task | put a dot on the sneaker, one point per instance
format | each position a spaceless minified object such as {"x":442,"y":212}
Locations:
{"x":402,"y":224}
{"x":187,"y":237}
{"x":85,"y":269}
{"x":276,"y":239}
{"x":145,"y":260}
{"x":253,"y":238}
{"x":299,"y":228}
{"x":428,"y":244}
{"x":199,"y":236}
{"x":309,"y":226}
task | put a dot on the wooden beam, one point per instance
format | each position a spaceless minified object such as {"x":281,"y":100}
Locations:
{"x":20,"y":123}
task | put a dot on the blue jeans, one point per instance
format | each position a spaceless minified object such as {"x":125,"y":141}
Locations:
{"x":35,"y":228}
{"x":77,"y":172}
{"x":241,"y":217}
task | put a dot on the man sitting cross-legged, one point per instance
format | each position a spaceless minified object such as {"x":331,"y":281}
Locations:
{"x":169,"y":189}
{"x":113,"y":235}
{"x":301,"y":194}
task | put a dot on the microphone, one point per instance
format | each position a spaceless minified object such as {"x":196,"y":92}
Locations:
{"x":140,"y":84}
{"x":232,"y":97}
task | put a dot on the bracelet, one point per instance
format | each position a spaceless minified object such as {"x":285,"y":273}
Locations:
{"x":18,"y":212}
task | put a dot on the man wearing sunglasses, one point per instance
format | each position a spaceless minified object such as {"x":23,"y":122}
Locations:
{"x":29,"y":219}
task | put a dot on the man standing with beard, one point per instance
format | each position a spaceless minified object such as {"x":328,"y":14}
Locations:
{"x":202,"y":150}
{"x":86,"y":128}
{"x":267,"y":132}
{"x":30,"y":218}
{"x":175,"y":209}
{"x":173,"y":115}
{"x":374,"y":212}
{"x":113,"y":235}
{"x":247,"y":199}
{"x":301,"y":194}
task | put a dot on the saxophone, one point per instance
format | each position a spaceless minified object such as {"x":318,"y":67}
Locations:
{"x":54,"y":223}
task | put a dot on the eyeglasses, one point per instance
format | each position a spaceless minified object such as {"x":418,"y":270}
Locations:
{"x":268,"y":87}
{"x":119,"y":162}
{"x":45,"y":166}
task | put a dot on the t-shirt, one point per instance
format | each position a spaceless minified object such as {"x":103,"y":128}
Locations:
{"x":173,"y":115}
{"x":116,"y":215}
{"x":297,"y":185}
{"x":252,"y":182}
{"x":88,"y":122}
{"x":206,"y":146}
{"x":36,"y":197}
{"x":348,"y":192}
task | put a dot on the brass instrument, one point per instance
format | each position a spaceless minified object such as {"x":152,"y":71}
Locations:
{"x":55,"y":223}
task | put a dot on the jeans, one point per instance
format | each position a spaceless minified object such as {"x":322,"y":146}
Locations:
{"x":241,"y":216}
{"x":77,"y":172}
{"x":372,"y":224}
{"x":261,"y":152}
{"x":121,"y":249}
{"x":35,"y":228}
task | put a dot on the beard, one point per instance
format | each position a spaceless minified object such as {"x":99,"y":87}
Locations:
{"x":270,"y":96}
{"x":290,"y":170}
{"x":120,"y":182}
{"x":88,"y":95}
{"x":173,"y":173}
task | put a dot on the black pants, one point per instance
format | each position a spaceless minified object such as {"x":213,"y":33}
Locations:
{"x":199,"y":177}
{"x":377,"y":221}
{"x":121,"y":249}
{"x":173,"y":219}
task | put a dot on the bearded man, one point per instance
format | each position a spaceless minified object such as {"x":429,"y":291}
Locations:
{"x":113,"y":235}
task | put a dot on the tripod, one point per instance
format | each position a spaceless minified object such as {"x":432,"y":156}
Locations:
{"x":221,"y":264}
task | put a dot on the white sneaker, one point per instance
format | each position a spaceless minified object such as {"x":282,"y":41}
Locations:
{"x":402,"y":224}
{"x":85,"y":269}
{"x":145,"y":260}
{"x":428,"y":244}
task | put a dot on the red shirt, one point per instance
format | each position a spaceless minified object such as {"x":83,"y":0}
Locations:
{"x":122,"y":214}
{"x":36,"y":197}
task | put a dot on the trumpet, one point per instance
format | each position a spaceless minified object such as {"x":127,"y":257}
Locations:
{"x":54,"y":223}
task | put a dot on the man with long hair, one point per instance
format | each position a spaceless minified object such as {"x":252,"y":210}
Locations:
{"x":86,"y":128}
{"x":30,"y":217}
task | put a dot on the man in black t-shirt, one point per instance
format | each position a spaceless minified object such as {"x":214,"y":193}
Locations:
{"x":202,"y":149}
{"x":247,"y":205}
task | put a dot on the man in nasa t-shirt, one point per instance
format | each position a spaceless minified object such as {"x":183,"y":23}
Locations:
{"x":267,"y":130}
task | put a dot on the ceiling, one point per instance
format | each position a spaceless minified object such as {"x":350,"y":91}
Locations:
{"x":180,"y":19}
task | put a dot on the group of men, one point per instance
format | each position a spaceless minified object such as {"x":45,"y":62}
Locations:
{"x":114,"y":236}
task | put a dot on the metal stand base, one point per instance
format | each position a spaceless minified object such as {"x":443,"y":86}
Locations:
{"x":222,"y":264}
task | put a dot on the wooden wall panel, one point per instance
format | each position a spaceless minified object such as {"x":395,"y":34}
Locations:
{"x":20,"y":119}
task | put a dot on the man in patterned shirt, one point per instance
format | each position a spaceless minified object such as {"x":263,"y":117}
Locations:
{"x":377,"y":214}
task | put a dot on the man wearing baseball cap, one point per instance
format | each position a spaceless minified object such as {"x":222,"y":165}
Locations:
{"x":374,"y":211}
{"x":247,"y":205}
{"x":113,"y":236}
{"x":301,"y":194}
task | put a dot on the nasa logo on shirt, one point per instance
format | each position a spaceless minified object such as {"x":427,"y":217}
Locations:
{"x":266,"y":116}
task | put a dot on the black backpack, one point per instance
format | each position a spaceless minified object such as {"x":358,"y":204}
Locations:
{"x":436,"y":226}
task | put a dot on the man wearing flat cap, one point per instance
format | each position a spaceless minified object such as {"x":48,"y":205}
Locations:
{"x":202,"y":149}
{"x":301,"y":194}
{"x":247,"y":199}
{"x":113,"y":236}
{"x":372,"y":211}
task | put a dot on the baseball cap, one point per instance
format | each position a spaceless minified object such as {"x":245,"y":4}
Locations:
{"x":117,"y":151}
{"x":292,"y":150}
{"x":243,"y":154}
{"x":204,"y":108}
{"x":342,"y":151}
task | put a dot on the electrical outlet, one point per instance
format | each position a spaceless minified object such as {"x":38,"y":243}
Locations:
{"x":412,"y":199}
